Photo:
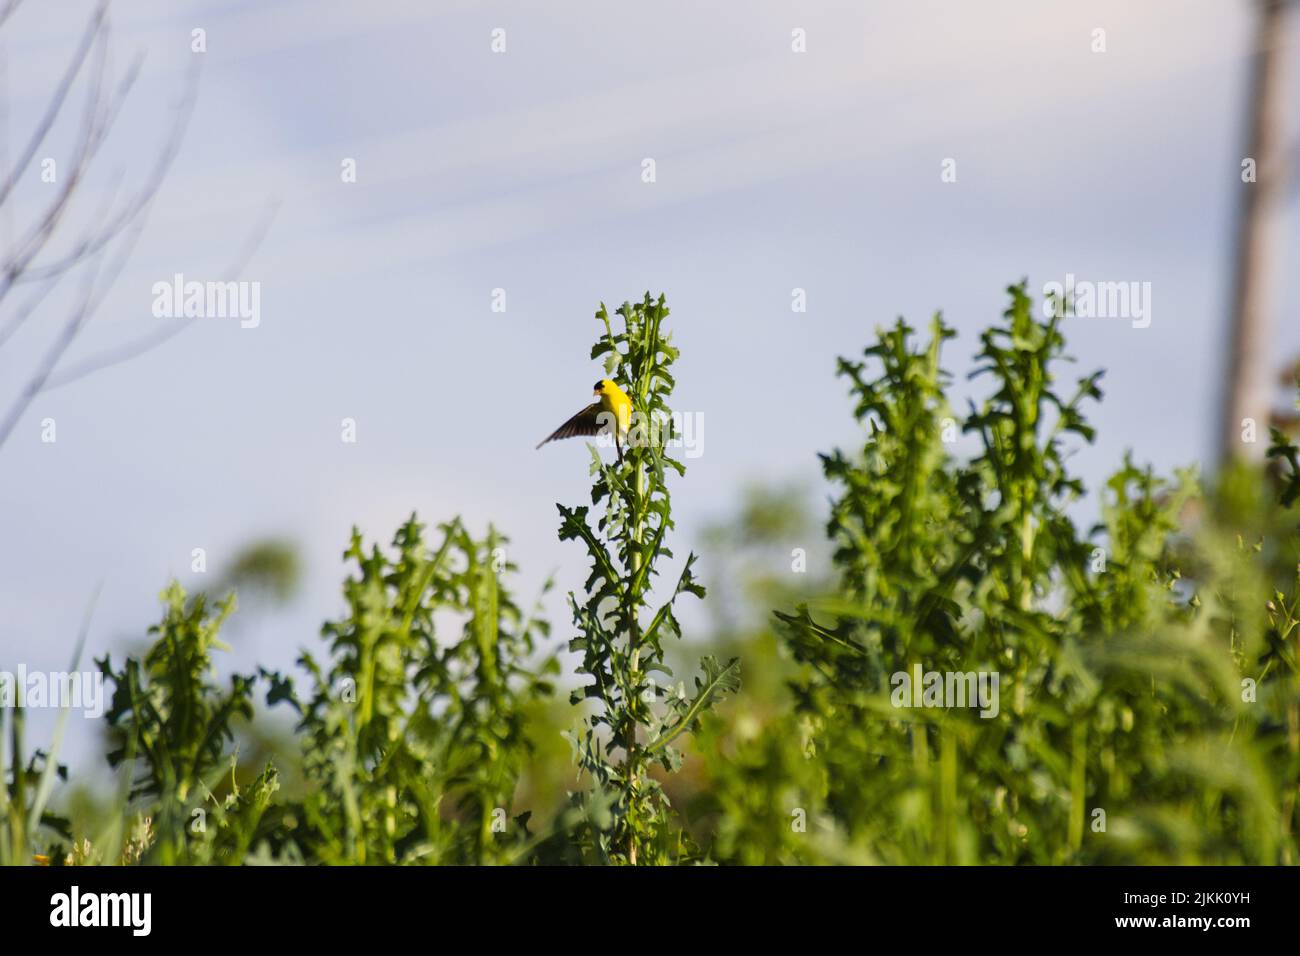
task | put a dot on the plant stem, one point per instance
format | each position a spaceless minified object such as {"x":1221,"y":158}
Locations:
{"x":18,"y":804}
{"x":632,"y":760}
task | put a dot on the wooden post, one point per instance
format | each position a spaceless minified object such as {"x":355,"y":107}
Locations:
{"x":1248,"y":389}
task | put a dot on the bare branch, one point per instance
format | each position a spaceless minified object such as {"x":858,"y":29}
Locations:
{"x":92,"y":243}
{"x":7,"y":11}
{"x":92,"y":296}
{"x":60,"y":93}
{"x":52,"y":356}
{"x":88,"y":144}
{"x":51,"y":280}
{"x":147,"y":343}
{"x":26,"y":309}
{"x":98,"y":251}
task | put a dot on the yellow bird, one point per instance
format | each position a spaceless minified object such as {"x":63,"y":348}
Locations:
{"x":613,"y":408}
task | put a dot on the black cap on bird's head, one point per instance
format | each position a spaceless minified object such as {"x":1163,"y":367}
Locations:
{"x":599,"y":387}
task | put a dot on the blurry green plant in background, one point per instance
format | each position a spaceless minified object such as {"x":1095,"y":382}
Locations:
{"x":1149,"y":698}
{"x":1148,"y":715}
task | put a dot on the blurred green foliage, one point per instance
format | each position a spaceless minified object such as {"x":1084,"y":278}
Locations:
{"x":268,"y":568}
{"x":1147,"y":715}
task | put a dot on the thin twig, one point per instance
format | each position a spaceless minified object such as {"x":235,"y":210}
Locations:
{"x":147,"y":343}
{"x":28,"y":308}
{"x":7,"y":11}
{"x":93,"y":296}
{"x":55,"y":105}
{"x":88,"y":144}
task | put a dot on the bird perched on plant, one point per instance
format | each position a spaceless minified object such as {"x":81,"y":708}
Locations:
{"x":613,"y":408}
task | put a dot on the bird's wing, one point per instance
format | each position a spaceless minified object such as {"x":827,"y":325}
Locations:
{"x":586,"y":422}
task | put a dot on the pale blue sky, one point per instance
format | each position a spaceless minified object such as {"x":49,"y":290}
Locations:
{"x":522,"y":171}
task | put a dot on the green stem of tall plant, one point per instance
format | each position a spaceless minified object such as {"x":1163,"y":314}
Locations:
{"x":632,"y":760}
{"x":634,"y":723}
{"x":18,"y":803}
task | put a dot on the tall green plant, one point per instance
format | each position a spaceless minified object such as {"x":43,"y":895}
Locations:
{"x":413,"y":746}
{"x":413,"y":742}
{"x":174,"y":729}
{"x":1146,"y":715}
{"x":621,"y":633}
